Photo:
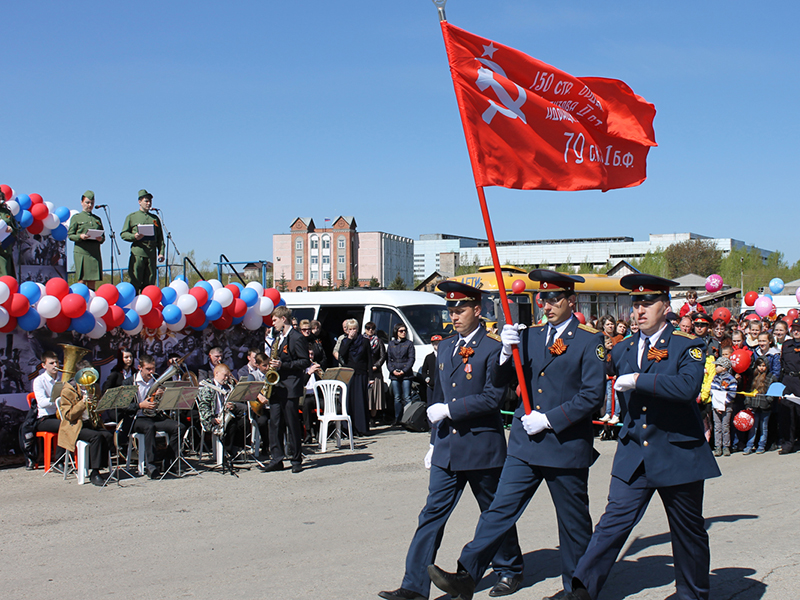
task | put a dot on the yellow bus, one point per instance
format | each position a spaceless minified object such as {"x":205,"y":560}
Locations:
{"x":599,"y":295}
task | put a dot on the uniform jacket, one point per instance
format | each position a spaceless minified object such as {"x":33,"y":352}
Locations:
{"x":567,"y":388}
{"x":72,"y":409}
{"x":662,"y":426}
{"x":472,"y":438}
{"x":293,"y":354}
{"x":79,"y":224}
{"x":148,"y":245}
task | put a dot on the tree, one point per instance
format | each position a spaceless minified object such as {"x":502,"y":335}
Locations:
{"x":282,"y":283}
{"x":353,"y":281}
{"x":330,"y":280}
{"x":398,"y":283}
{"x":652,"y":263}
{"x":374,"y":283}
{"x":701,"y":257}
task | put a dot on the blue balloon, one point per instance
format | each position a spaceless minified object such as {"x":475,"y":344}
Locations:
{"x":776,"y":285}
{"x":82,"y":290}
{"x":126,"y":294}
{"x":131,"y":319}
{"x":171,"y":314}
{"x":85,"y":323}
{"x":24,"y":202}
{"x":168,"y":296}
{"x":30,"y":320}
{"x":282,"y":302}
{"x":214,"y":310}
{"x":31,"y":291}
{"x":249,"y":296}
{"x":237,"y":320}
{"x":62,"y":212}
{"x":24,"y":218}
{"x":767,"y":296}
{"x":207,"y":287}
{"x":181,"y":278}
{"x":59,"y":233}
{"x":239,"y":285}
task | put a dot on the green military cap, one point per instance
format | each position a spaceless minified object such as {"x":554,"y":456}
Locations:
{"x":143,"y":193}
{"x":88,"y":194}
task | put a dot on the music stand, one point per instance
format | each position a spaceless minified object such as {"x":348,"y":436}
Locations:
{"x":178,"y":395}
{"x":247,"y":391}
{"x":117,"y":398}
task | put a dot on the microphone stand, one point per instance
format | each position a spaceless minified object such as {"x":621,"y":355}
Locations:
{"x":167,"y":266}
{"x":114,"y":246}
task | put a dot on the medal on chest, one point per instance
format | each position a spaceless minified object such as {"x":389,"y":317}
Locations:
{"x":468,"y":370}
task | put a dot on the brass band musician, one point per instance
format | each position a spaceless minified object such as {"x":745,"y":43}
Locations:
{"x":216,"y":412}
{"x":262,"y":416}
{"x":76,"y":425}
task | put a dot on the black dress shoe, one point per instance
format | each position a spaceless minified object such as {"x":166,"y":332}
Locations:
{"x":579,"y":594}
{"x":557,"y":596}
{"x":506,"y":586}
{"x":459,"y":585}
{"x":297,"y":468}
{"x":29,"y":464}
{"x":275,"y":466}
{"x":152,"y":471}
{"x":97,"y":479}
{"x":402,"y":594}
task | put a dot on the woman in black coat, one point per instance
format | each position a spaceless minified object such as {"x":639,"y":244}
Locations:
{"x":355,"y":353}
{"x":121,"y":371}
{"x":400,"y":362}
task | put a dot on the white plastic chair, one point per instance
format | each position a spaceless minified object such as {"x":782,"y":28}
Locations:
{"x":139,"y":437}
{"x":331,"y":397}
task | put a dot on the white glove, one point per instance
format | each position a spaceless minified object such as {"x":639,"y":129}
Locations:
{"x":510,"y":337}
{"x":627,"y":382}
{"x":427,"y":460}
{"x":437,"y":412}
{"x":535,"y":422}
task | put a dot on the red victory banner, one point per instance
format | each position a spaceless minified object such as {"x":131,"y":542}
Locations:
{"x":531,"y":126}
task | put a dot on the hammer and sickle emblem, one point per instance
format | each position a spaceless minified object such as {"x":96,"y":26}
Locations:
{"x":508,"y":106}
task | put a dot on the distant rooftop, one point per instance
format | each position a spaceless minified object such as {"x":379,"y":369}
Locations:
{"x":606,"y":240}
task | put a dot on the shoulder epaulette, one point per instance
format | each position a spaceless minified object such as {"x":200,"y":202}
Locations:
{"x":587,"y":328}
{"x":683,"y":334}
{"x":494,"y":336}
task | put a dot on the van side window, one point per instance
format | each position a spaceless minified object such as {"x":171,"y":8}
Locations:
{"x":303,"y":313}
{"x":385,"y":320}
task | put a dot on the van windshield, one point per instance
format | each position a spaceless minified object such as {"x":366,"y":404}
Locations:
{"x":428,"y":320}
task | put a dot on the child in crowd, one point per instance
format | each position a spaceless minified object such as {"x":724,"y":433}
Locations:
{"x":779,"y":331}
{"x":753,"y":329}
{"x":725,"y":385}
{"x":761,"y":405}
{"x":609,"y":328}
{"x":766,"y":351}
{"x":691,"y":305}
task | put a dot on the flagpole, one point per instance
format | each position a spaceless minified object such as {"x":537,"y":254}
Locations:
{"x":501,"y":285}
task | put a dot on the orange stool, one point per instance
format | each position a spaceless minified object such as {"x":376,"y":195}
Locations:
{"x":50,"y":439}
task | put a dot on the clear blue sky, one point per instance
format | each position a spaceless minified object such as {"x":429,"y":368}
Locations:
{"x":241,"y":116}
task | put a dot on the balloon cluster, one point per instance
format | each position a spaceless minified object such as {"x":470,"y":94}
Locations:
{"x":36,"y":215}
{"x":60,"y":306}
{"x":763,"y":304}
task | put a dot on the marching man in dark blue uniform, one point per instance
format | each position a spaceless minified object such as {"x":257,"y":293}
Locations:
{"x":468,"y":445}
{"x":661,"y":446}
{"x":563,"y":362}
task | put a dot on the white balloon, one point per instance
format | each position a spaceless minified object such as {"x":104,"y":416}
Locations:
{"x":216,"y":284}
{"x":4,"y":293}
{"x":181,"y":324}
{"x":51,"y":221}
{"x":187,"y":303}
{"x":3,"y":317}
{"x":45,"y":231}
{"x":180,"y":286}
{"x":42,"y":290}
{"x":48,"y":306}
{"x":98,"y":331}
{"x":223,"y":296}
{"x":142,"y":305}
{"x":265,"y":306}
{"x":257,"y":287}
{"x":252,"y":319}
{"x":135,"y":330}
{"x":13,"y":207}
{"x":42,"y":321}
{"x":98,"y":306}
{"x":50,"y":207}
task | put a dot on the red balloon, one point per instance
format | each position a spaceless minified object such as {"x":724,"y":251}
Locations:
{"x":223,"y":322}
{"x":36,"y":200}
{"x":17,"y":305}
{"x":10,"y":326}
{"x":740,"y":360}
{"x":151,"y":291}
{"x":36,"y":228}
{"x":59,"y":323}
{"x":750,"y":298}
{"x":539,"y":302}
{"x":73,"y":305}
{"x":273,"y":295}
{"x":6,"y":191}
{"x":239,"y":308}
{"x":153,"y":319}
{"x":110,"y":293}
{"x":580,"y":318}
{"x":518,"y":286}
{"x":196,"y":319}
{"x":11,"y":283}
{"x":234,"y":289}
{"x":268,"y":320}
{"x":752,"y":317}
{"x":59,"y":288}
{"x":788,"y":321}
{"x":722,"y":313}
{"x":200,"y":295}
{"x":744,"y":420}
{"x":792,"y":313}
{"x":39,"y":212}
{"x":114,"y":316}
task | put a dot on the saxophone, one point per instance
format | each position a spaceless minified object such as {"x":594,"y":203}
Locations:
{"x":226,"y":416}
{"x":271,"y":377}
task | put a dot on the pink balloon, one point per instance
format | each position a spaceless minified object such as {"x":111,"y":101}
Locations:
{"x":713,"y":283}
{"x":763,"y":306}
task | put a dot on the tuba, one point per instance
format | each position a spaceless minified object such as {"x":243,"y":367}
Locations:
{"x":86,"y":380}
{"x":72,"y":356}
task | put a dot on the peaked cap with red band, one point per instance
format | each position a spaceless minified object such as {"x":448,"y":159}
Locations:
{"x":648,"y":287}
{"x":552,"y":283}
{"x":458,"y":294}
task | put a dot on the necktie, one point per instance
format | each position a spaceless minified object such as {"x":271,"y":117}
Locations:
{"x":644,"y":360}
{"x":551,"y":338}
{"x":461,"y":344}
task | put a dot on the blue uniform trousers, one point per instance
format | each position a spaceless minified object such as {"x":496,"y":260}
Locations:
{"x":518,"y":483}
{"x":444,"y":491}
{"x":626,"y":505}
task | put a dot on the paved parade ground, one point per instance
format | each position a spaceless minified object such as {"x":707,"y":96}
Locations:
{"x":342,"y":527}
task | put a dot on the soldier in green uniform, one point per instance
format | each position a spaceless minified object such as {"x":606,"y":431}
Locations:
{"x":144,"y":249}
{"x":88,"y":260}
{"x":7,"y":245}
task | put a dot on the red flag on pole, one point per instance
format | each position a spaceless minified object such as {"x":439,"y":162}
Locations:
{"x":531,"y":126}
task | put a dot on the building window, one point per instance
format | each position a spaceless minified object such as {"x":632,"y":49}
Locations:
{"x":314,"y":275}
{"x":340,"y":243}
{"x":326,"y":260}
{"x":314,"y":260}
{"x":341,"y":274}
{"x":298,"y":244}
{"x":341,"y":260}
{"x":326,"y":242}
{"x":298,"y":260}
{"x":298,"y":275}
{"x":314,"y":243}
